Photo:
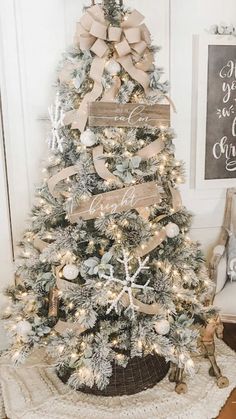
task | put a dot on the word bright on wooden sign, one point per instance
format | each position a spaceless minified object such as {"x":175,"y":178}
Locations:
{"x":106,"y":114}
{"x":120,"y":200}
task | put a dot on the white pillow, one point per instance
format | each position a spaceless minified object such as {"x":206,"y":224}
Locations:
{"x":221,"y":276}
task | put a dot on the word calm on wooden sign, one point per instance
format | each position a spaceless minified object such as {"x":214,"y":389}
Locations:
{"x":120,"y":200}
{"x":107,"y":114}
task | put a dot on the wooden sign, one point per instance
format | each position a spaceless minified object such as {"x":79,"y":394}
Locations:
{"x":120,"y":200}
{"x":107,"y":114}
{"x":220,"y":158}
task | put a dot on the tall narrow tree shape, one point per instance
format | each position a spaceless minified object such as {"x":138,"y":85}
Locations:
{"x":106,"y":270}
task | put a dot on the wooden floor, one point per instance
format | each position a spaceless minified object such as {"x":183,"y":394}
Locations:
{"x":229,"y":410}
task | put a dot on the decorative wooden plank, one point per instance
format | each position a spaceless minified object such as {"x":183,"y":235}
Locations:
{"x":120,"y":200}
{"x":104,"y":114}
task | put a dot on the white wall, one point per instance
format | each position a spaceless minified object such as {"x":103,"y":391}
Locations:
{"x":189,"y":18}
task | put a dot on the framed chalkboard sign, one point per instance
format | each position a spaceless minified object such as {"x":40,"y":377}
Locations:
{"x":216,"y":112}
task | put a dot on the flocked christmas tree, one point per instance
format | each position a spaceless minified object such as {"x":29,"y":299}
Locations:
{"x":106,"y":271}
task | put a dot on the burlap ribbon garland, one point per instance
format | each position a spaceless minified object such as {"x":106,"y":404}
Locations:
{"x":160,"y":236}
{"x":131,"y":41}
{"x":78,"y":118}
{"x":64,"y":286}
{"x":100,"y":168}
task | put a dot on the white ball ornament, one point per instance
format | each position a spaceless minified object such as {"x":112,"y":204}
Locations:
{"x":23,"y":328}
{"x":88,"y":138}
{"x":113,"y":67}
{"x":162,"y":327}
{"x":70,"y":272}
{"x":172,"y":230}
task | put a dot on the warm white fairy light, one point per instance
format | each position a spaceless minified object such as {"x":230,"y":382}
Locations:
{"x":74,"y":355}
{"x":61,"y":348}
{"x":48,"y":209}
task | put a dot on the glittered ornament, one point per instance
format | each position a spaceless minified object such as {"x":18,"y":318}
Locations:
{"x":172,"y":230}
{"x":88,"y":138}
{"x":113,"y":67}
{"x":162,"y":327}
{"x":70,"y":272}
{"x":23,"y":328}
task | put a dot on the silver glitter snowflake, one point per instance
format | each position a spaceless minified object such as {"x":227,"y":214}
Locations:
{"x":56,"y":117}
{"x":128,"y":283}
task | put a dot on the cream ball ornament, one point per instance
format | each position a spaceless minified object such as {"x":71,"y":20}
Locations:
{"x":88,"y":138}
{"x":23,"y":328}
{"x":113,"y":67}
{"x":172,"y":230}
{"x":162,"y":327}
{"x":70,"y":271}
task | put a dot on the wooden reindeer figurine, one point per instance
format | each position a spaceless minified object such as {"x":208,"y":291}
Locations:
{"x":207,"y":345}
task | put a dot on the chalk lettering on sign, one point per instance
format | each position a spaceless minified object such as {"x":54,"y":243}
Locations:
{"x":228,"y":151}
{"x":225,"y":112}
{"x":220,"y":160}
{"x":228,"y":70}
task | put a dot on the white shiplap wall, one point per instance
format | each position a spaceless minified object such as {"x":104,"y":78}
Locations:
{"x":189,"y":18}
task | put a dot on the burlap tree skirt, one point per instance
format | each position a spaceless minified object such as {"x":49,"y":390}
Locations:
{"x":33,"y":391}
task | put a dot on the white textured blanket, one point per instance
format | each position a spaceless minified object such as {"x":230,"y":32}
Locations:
{"x":33,"y":391}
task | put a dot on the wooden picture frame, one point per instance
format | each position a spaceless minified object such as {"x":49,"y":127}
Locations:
{"x":211,"y":54}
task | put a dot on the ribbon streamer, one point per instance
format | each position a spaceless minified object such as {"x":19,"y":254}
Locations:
{"x":100,"y":166}
{"x":62,"y":175}
{"x":62,"y":327}
{"x":130,"y":42}
{"x":151,"y":244}
{"x":160,"y":236}
{"x":140,"y":76}
{"x":110,"y":94}
{"x":62,"y":285}
{"x":39,"y":244}
{"x":152,"y":309}
{"x":96,"y":73}
{"x":151,"y":149}
{"x":176,"y":199}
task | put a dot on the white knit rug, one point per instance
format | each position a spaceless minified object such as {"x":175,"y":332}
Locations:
{"x":34,"y":392}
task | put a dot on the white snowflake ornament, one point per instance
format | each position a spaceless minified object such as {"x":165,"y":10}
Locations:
{"x":56,"y":117}
{"x":128,"y":283}
{"x":23,"y":328}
